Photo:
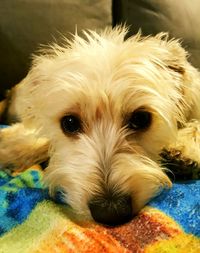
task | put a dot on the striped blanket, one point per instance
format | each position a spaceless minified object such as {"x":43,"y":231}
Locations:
{"x":30,"y":222}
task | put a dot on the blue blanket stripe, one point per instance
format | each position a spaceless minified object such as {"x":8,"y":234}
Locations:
{"x":182,"y":203}
{"x":18,"y":196}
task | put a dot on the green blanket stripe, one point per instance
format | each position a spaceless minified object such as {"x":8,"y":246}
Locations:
{"x":26,"y":179}
{"x":25,"y":237}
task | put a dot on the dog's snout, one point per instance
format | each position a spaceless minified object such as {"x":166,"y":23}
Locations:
{"x":111,"y":211}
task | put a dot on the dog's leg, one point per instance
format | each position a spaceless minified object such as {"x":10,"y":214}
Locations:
{"x":20,"y":148}
{"x":183,"y":156}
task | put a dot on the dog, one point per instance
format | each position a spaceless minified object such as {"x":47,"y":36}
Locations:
{"x":103,"y":109}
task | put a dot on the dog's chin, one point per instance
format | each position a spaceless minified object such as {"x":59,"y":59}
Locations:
{"x":79,"y":205}
{"x":129,"y":188}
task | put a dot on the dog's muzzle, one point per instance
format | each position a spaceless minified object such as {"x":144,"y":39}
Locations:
{"x":111,"y":210}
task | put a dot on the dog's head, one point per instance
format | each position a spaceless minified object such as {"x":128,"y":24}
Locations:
{"x":108,"y":106}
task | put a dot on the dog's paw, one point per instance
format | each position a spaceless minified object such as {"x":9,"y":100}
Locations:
{"x":20,"y":148}
{"x":180,"y":166}
{"x":182,"y":157}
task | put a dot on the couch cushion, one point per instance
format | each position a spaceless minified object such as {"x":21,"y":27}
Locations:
{"x":179,"y":18}
{"x":25,"y":24}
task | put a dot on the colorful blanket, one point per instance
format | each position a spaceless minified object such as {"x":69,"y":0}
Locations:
{"x":30,"y":222}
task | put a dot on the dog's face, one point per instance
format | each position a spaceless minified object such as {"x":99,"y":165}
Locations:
{"x":108,"y":107}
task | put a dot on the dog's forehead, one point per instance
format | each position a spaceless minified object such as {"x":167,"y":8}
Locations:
{"x":108,"y":84}
{"x":111,"y":102}
{"x":114,"y":79}
{"x":112,"y":67}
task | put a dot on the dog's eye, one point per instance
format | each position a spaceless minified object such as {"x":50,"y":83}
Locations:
{"x":140,"y":120}
{"x":70,"y":124}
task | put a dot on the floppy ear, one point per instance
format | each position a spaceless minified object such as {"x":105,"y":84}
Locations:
{"x":30,"y":94}
{"x":176,"y":60}
{"x":175,"y":56}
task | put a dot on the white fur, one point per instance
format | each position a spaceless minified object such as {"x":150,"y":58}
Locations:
{"x":103,"y":79}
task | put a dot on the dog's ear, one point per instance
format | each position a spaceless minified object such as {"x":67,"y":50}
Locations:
{"x":186,"y":76}
{"x":174,"y":56}
{"x":30,"y":93}
{"x":178,"y":57}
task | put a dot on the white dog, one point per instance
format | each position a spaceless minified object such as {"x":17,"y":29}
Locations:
{"x":104,"y":109}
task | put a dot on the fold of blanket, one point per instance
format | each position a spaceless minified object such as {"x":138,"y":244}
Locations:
{"x":31,"y":222}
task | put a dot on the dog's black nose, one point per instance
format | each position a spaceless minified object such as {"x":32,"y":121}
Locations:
{"x":111,"y":211}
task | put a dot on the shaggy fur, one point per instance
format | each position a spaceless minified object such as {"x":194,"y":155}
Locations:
{"x":103,"y":79}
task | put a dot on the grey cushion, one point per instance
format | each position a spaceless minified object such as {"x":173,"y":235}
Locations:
{"x":24,"y":24}
{"x":180,"y":18}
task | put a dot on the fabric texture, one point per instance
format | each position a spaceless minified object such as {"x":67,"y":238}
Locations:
{"x":31,"y":222}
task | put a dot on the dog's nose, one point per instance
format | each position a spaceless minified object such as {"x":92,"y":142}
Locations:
{"x":111,"y":211}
